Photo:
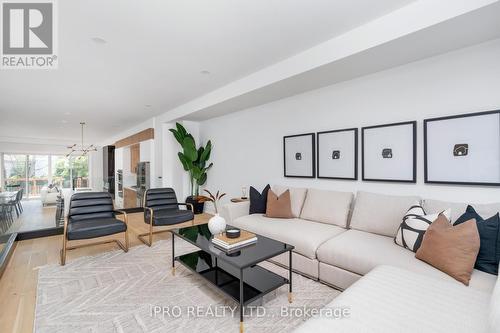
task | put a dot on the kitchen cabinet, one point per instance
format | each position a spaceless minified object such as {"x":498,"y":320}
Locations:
{"x":129,"y":198}
{"x":135,"y":155}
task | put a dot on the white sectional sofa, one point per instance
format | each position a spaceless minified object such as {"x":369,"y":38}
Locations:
{"x":339,"y":239}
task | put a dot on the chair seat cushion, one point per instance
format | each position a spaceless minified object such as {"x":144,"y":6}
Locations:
{"x":169,"y":216}
{"x":91,"y":228}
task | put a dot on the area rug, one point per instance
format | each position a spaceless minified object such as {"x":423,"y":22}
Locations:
{"x":136,"y":292}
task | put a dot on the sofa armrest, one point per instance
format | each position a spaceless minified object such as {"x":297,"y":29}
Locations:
{"x":233,"y":210}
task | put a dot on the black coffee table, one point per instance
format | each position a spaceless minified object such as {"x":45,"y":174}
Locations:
{"x":237,"y":275}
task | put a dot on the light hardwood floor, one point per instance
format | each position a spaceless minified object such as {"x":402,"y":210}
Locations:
{"x":18,"y":284}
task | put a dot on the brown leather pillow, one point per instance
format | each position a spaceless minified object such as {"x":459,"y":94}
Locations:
{"x":280,"y":207}
{"x":451,"y":249}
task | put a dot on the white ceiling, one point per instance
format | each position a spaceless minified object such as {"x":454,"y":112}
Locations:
{"x":154,"y":54}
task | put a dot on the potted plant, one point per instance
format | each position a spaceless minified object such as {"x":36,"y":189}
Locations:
{"x":194,"y":161}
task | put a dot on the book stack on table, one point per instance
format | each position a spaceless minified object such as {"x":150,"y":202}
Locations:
{"x":230,"y":244}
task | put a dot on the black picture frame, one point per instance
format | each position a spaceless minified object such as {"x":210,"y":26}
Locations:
{"x":313,"y":155}
{"x":318,"y":135}
{"x":426,"y":145}
{"x":413,"y":179}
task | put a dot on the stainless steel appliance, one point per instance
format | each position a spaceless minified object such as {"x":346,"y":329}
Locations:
{"x":142,"y":181}
{"x":119,"y":177}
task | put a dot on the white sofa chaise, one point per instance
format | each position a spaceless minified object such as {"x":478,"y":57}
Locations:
{"x":390,"y":299}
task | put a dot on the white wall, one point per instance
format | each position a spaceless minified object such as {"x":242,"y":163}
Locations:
{"x":248,"y":144}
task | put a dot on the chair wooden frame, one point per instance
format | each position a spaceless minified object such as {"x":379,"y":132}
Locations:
{"x":65,"y":246}
{"x":151,"y":232}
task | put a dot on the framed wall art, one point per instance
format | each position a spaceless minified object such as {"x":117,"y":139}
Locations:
{"x":337,"y":154}
{"x":389,"y":152}
{"x":463,"y":149}
{"x":299,"y":155}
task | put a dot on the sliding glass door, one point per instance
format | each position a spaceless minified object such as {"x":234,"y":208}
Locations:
{"x":38,"y":174}
{"x":33,"y":172}
{"x":14,"y":172}
{"x":61,"y":171}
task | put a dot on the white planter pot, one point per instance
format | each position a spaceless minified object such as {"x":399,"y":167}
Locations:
{"x":217,"y":224}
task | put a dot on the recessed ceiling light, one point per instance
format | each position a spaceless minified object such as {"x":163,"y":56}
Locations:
{"x":148,"y":105}
{"x":205,"y":72}
{"x":64,"y":121}
{"x":99,"y":40}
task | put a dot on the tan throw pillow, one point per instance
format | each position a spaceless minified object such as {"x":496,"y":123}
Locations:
{"x":451,"y":249}
{"x":279,"y":207}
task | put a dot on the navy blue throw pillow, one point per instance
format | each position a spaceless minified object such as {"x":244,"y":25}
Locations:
{"x":489,"y":234}
{"x":258,"y":202}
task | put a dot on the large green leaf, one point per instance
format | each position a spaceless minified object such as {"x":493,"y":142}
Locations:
{"x":186,"y":164}
{"x":181,"y":129}
{"x":200,"y":153}
{"x":189,"y":148}
{"x":203,"y":179}
{"x":196,"y":172}
{"x":205,"y":156}
{"x":177,"y":135}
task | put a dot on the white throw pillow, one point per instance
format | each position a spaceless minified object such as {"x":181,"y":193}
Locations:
{"x":415,"y":223}
{"x":297,"y":197}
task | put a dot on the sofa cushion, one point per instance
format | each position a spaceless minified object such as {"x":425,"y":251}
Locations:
{"x":297,"y":196}
{"x":327,"y":206}
{"x":360,"y":252}
{"x":415,"y":223}
{"x":457,"y":209}
{"x":451,"y":248}
{"x":494,"y":322}
{"x":391,"y":299}
{"x":379,"y":213}
{"x":489,"y":233}
{"x":306,"y":236}
{"x":258,"y":201}
{"x":279,"y":206}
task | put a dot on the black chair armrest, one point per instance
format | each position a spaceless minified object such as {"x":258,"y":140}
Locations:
{"x":187,"y":205}
{"x":119,"y":211}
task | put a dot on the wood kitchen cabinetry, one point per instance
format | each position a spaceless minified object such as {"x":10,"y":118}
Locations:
{"x":129,"y":198}
{"x":135,"y":153}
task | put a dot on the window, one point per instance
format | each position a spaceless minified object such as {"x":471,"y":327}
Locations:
{"x":33,"y":172}
{"x":38,"y":174}
{"x":61,"y":171}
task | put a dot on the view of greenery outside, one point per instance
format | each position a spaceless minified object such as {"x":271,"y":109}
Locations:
{"x":31,"y":172}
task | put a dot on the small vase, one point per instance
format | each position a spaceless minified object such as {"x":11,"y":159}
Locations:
{"x":217,"y":224}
